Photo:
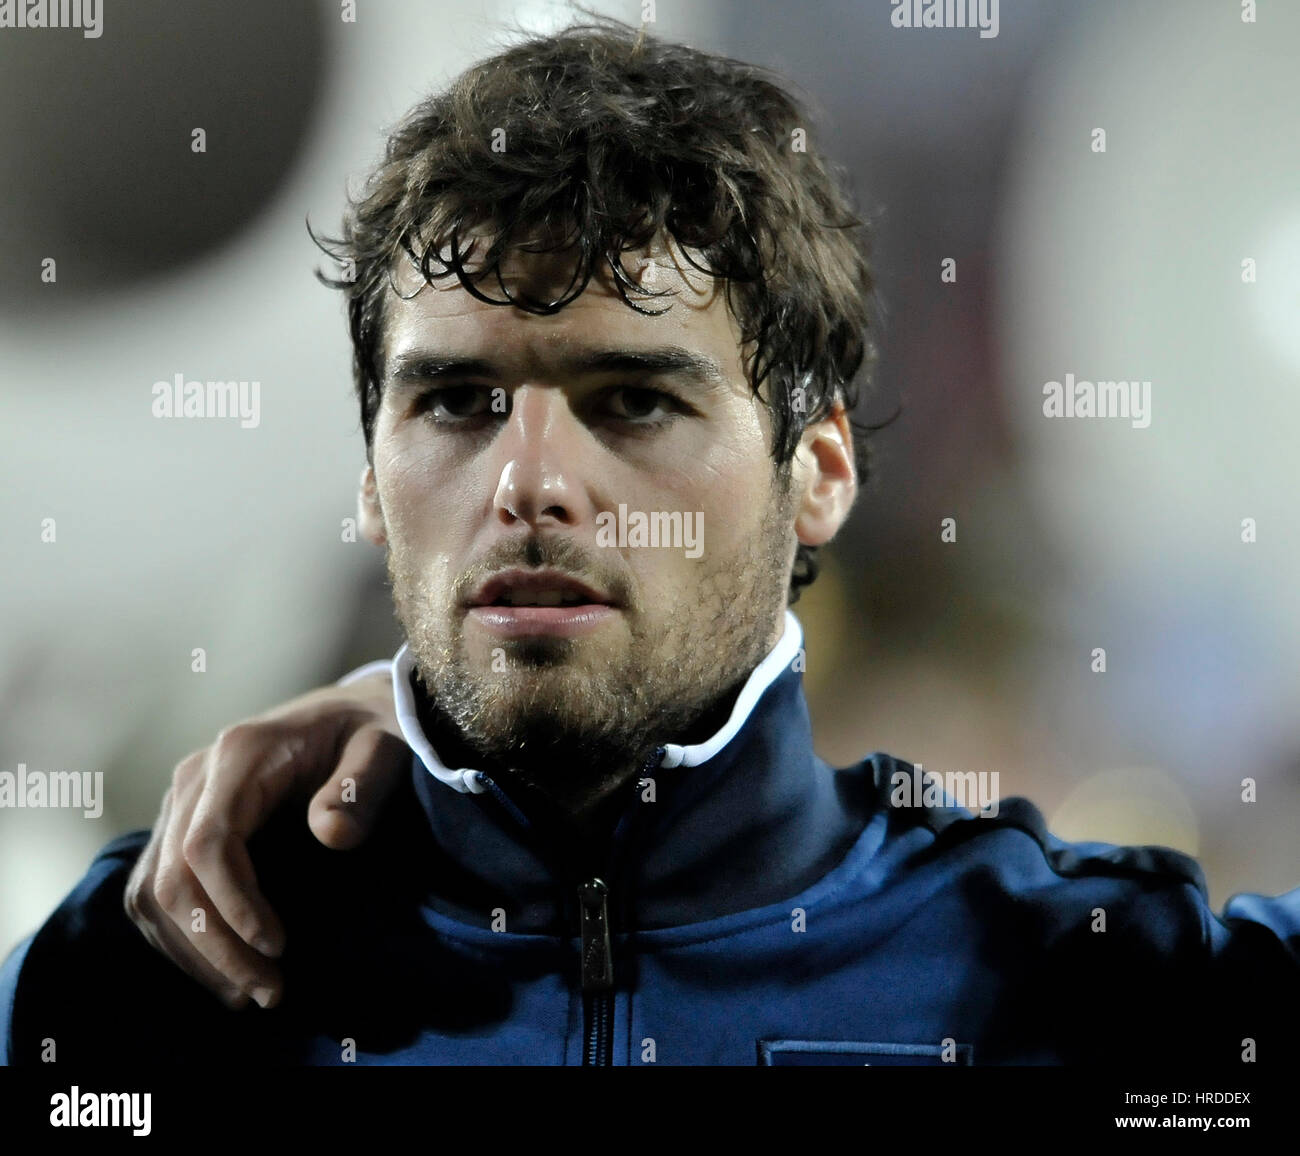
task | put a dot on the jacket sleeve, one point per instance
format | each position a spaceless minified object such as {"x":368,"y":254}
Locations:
{"x":1255,"y":952}
{"x":55,"y":975}
{"x":9,"y":973}
{"x":1277,"y":917}
{"x":1233,"y":1001}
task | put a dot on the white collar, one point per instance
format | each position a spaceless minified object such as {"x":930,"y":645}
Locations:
{"x":467,"y":779}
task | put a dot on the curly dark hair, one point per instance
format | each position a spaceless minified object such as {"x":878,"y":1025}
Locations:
{"x":616,"y":139}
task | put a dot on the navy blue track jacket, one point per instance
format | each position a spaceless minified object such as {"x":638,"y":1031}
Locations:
{"x":764,"y":908}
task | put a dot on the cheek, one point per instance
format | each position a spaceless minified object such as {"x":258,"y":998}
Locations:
{"x":729,"y":481}
{"x":423,"y":498}
{"x":726,"y":490}
{"x":719,"y":461}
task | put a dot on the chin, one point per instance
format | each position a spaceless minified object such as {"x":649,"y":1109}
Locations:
{"x":538,"y":652}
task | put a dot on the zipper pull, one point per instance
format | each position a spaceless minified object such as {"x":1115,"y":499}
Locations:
{"x":597,"y":959}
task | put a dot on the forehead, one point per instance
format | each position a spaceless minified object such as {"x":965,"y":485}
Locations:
{"x":696,"y":313}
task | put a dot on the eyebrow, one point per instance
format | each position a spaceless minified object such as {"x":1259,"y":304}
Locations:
{"x":422,"y":366}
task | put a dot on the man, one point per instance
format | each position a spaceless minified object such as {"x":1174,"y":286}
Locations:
{"x":596,"y":287}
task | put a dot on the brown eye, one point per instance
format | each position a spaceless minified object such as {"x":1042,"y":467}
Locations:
{"x":456,"y":403}
{"x":638,"y":405}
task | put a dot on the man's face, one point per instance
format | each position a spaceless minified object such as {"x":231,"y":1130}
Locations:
{"x":468,"y":490}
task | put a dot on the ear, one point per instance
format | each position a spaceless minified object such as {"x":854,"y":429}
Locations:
{"x":370,"y":515}
{"x":824,"y":478}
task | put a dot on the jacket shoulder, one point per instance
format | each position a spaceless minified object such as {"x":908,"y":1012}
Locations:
{"x":89,"y":988}
{"x":1157,"y":893}
{"x":1115,"y":947}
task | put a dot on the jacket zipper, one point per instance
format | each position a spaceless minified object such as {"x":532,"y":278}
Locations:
{"x":597,"y":964}
{"x":598,"y":953}
{"x":597,"y":971}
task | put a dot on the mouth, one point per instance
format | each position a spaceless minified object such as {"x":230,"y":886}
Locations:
{"x":529,"y":603}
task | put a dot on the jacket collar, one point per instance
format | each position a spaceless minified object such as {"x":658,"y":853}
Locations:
{"x":467,"y":779}
{"x":746,"y":818}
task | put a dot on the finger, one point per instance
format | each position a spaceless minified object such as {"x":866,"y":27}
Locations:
{"x":251,"y":768}
{"x":194,"y":918}
{"x":165,"y":938}
{"x":148,"y":874}
{"x":163,"y":929}
{"x":224,"y":872}
{"x":144,"y":869}
{"x":344,"y":810}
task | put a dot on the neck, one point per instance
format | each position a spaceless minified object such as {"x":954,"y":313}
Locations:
{"x":579,"y":786}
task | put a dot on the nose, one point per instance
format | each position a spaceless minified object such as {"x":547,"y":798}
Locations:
{"x":540,"y":444}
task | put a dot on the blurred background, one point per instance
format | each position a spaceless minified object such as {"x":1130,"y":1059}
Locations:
{"x":968,"y":655}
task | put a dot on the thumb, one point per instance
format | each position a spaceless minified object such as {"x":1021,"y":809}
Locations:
{"x":344,"y":810}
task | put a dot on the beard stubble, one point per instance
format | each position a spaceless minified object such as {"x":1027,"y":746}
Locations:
{"x":568,"y":730}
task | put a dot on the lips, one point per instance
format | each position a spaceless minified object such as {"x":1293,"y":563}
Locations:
{"x":519,"y":604}
{"x":543,"y":588}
